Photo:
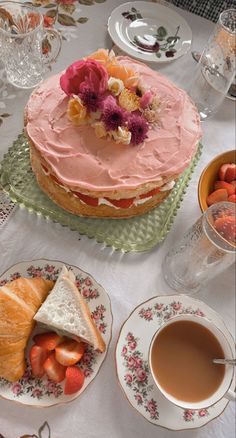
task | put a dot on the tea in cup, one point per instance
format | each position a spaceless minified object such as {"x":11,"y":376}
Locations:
{"x":181,"y":362}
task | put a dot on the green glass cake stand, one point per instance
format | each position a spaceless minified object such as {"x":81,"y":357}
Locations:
{"x":135,"y":234}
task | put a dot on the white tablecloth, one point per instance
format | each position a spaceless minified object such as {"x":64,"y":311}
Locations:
{"x":103,"y":411}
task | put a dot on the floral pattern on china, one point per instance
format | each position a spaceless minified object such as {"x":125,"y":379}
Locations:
{"x":110,"y":97}
{"x":34,"y":391}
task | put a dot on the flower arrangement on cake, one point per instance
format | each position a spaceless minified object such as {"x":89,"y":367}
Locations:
{"x":110,"y":97}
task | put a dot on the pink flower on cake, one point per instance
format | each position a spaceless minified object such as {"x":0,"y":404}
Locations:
{"x":113,"y":116}
{"x":84,"y":75}
{"x":138,"y":127}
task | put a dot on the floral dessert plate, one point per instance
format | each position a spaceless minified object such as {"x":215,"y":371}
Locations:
{"x":149,"y":32}
{"x":42,"y":392}
{"x":132,"y":362}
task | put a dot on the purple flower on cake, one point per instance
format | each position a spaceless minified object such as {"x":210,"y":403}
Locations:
{"x":84,"y":75}
{"x":90,"y":99}
{"x":113,"y":116}
{"x":138,"y":127}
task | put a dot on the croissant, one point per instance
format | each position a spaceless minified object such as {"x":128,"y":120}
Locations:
{"x":19,"y":301}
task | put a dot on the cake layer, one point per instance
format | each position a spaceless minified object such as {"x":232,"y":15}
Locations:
{"x":80,"y":160}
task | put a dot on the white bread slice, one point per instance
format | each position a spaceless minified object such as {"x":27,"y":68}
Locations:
{"x":66,"y":312}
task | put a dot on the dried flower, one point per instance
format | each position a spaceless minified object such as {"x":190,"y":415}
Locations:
{"x":129,"y":100}
{"x":138,"y":127}
{"x":122,"y":135}
{"x":112,"y":116}
{"x":115,"y":86}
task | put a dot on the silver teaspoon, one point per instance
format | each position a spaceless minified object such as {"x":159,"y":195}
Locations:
{"x":225,"y":361}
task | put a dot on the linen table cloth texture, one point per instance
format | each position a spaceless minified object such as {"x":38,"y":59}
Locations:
{"x":102,"y":410}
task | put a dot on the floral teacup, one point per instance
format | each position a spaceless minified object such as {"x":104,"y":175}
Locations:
{"x":223,"y":390}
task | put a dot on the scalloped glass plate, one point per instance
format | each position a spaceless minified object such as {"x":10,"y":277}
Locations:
{"x":136,"y":234}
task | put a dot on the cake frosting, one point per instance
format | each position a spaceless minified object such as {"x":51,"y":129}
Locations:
{"x":81,"y":160}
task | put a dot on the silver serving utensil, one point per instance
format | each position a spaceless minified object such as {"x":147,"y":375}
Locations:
{"x":225,"y":361}
{"x":232,"y":89}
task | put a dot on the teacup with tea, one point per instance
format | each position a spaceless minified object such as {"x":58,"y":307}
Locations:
{"x":181,"y":358}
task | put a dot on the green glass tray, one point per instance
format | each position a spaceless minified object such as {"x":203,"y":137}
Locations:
{"x":136,"y":234}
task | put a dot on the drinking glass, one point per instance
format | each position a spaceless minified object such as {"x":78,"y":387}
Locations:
{"x":216,"y":68}
{"x":22,"y":35}
{"x":206,"y":249}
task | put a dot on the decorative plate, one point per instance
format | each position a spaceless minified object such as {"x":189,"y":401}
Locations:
{"x":42,"y":392}
{"x":135,"y":234}
{"x":132,"y":362}
{"x":149,"y":32}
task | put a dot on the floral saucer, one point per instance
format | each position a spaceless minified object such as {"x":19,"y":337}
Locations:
{"x":132,"y":362}
{"x":149,"y":32}
{"x":42,"y":392}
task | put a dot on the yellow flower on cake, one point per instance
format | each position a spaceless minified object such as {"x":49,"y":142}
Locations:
{"x":120,"y":71}
{"x":100,"y":129}
{"x":122,"y":135}
{"x":115,"y":86}
{"x":77,"y":112}
{"x":129,"y":101}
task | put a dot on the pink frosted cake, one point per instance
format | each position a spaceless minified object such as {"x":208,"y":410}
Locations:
{"x":109,"y":136}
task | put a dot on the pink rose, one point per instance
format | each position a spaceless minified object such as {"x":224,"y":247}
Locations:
{"x":176,"y":306}
{"x":16,"y":389}
{"x":86,"y":293}
{"x":151,"y":405}
{"x":94,"y":294}
{"x":87,"y":372}
{"x":131,"y":362}
{"x":37,"y":393}
{"x":82,"y":75}
{"x":199,"y":312}
{"x":129,"y":337}
{"x":51,"y":386}
{"x":124,"y":351}
{"x":159,"y":306}
{"x":188,"y":415}
{"x":87,"y":281}
{"x":132,"y":345}
{"x":128,"y":378}
{"x":139,"y":361}
{"x":202,"y":413}
{"x":96,"y":315}
{"x":139,"y":399}
{"x":146,"y":99}
{"x":148,"y":314}
{"x":87,"y":358}
{"x":141,"y":374}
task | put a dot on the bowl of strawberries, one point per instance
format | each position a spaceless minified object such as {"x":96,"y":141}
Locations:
{"x":217,"y":182}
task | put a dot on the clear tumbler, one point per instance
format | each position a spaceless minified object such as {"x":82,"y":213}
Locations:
{"x":207,"y":249}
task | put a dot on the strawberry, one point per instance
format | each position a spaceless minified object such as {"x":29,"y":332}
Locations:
{"x":222,"y":171}
{"x":121,"y":203}
{"x":230,"y":174}
{"x":54,"y":370}
{"x":48,"y":340}
{"x":151,"y":193}
{"x":217,"y":196}
{"x":232,"y":198}
{"x":87,"y":199}
{"x":233,"y":183}
{"x":224,"y":185}
{"x":226,"y":226}
{"x":37,"y":358}
{"x":74,"y":380}
{"x":69,"y":352}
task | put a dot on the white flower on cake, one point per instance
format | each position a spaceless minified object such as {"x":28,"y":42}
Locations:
{"x":115,"y":86}
{"x":122,"y":135}
{"x":100,"y":129}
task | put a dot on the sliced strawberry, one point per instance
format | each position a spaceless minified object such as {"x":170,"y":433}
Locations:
{"x":233,"y":183}
{"x":54,"y":370}
{"x":48,"y":341}
{"x":217,"y":196}
{"x":69,"y":352}
{"x":74,"y":380}
{"x":224,"y":185}
{"x":121,"y":203}
{"x":87,"y":199}
{"x":222,"y":171}
{"x":37,"y":358}
{"x":230,"y":174}
{"x":232,"y":198}
{"x":150,"y":193}
{"x":226,"y":226}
